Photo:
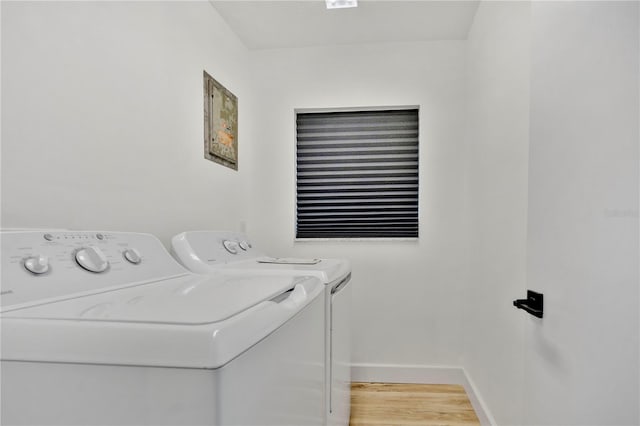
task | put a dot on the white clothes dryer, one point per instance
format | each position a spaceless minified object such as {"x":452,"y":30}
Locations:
{"x":208,"y":252}
{"x":106,"y":328}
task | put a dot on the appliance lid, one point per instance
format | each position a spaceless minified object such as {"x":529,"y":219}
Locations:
{"x":328,"y":271}
{"x":186,"y":300}
{"x":194,"y":322}
{"x":289,"y":260}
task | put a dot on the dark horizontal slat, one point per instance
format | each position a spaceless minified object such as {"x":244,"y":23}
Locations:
{"x":343,"y":187}
{"x":357,"y":171}
{"x":360,"y":171}
{"x":348,"y":226}
{"x":332,"y":223}
{"x":318,"y":182}
{"x":361,"y":143}
{"x":362,"y":229}
{"x":343,"y":227}
{"x":361,"y":201}
{"x":341,"y":179}
{"x":362,"y":209}
{"x":399,"y":155}
{"x":357,"y":116}
{"x":333,"y":217}
{"x":356,"y":136}
{"x":335,"y":213}
{"x":355,"y":161}
{"x":372,"y":214}
{"x":304,"y":126}
{"x":346,"y":154}
{"x":356,"y":223}
{"x":359,"y":234}
{"x":395,"y":203}
{"x":357,"y":204}
{"x":367,"y":198}
{"x":347,"y":188}
{"x":337,"y":232}
{"x":336,"y":152}
{"x":333,"y":191}
{"x":342,"y":182}
{"x":360,"y":195}
{"x":378,"y":220}
{"x":399,"y":232}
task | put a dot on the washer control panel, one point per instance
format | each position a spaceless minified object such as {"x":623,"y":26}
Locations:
{"x":43,"y":266}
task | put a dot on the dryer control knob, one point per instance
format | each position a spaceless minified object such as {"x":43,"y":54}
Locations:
{"x":37,"y":264}
{"x":132,"y":255}
{"x":230,"y":246}
{"x":244,"y":245}
{"x":92,"y":259}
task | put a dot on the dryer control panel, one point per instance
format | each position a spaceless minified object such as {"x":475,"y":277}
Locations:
{"x":214,"y":247}
{"x":41,"y":266}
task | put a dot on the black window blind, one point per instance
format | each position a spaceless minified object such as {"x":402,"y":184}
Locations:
{"x":357,"y":174}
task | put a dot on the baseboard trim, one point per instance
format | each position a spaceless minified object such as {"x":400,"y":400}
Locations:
{"x":450,"y":375}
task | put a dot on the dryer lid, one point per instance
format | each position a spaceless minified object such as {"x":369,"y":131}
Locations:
{"x":328,"y":271}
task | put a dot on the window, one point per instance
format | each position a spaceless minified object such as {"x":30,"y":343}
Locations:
{"x":357,"y":174}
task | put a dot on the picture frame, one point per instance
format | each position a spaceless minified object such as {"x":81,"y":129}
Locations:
{"x":220,"y":123}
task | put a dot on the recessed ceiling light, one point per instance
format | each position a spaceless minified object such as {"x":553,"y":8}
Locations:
{"x":341,"y":4}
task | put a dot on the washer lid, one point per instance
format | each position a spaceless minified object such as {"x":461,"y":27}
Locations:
{"x":187,"y":301}
{"x":194,"y":322}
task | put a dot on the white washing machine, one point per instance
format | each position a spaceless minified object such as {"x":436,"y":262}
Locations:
{"x":209,"y":252}
{"x":107,"y":328}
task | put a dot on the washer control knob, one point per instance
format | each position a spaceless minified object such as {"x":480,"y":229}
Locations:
{"x":230,"y":246}
{"x":132,"y":256}
{"x":37,"y":264}
{"x":244,"y":245}
{"x":92,"y":259}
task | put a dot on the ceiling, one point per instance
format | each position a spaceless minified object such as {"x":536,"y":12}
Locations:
{"x":271,"y":24}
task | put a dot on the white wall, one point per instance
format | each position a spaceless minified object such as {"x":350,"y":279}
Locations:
{"x":406,"y":295}
{"x":498,"y":140}
{"x":102,"y":128}
{"x":102,"y":123}
{"x":582,"y":359}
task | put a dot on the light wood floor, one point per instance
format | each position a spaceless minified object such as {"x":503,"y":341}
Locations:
{"x":393,"y":404}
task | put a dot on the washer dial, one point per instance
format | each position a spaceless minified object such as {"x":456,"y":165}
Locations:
{"x":132,"y":256}
{"x":92,"y":259}
{"x":37,"y":265}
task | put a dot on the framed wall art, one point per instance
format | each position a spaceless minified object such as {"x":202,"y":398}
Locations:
{"x":220,"y":123}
